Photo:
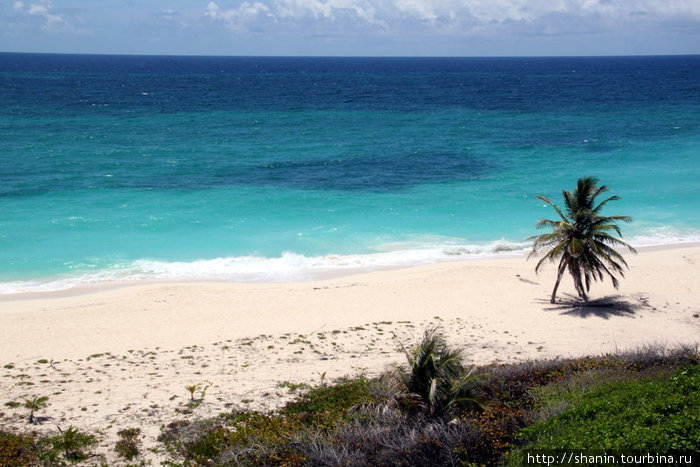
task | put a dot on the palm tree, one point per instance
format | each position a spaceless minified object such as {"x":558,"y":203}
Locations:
{"x":583,"y":240}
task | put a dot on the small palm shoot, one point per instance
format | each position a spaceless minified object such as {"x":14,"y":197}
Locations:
{"x":194,"y":401}
{"x":582,"y":240}
{"x":192,"y":389}
{"x":34,"y":404}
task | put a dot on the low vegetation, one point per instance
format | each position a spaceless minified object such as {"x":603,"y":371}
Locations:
{"x":656,"y":413}
{"x":67,"y":447}
{"x":433,"y":411}
{"x":128,"y":444}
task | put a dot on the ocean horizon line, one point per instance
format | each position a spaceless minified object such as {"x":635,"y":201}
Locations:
{"x":188,"y":55}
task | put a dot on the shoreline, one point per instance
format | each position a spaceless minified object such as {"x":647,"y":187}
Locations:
{"x":329,"y":274}
{"x":122,"y":357}
{"x":134,"y":308}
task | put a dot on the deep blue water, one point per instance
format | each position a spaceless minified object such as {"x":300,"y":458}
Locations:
{"x":125,"y":167}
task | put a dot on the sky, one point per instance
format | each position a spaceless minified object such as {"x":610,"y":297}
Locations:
{"x":352,"y":27}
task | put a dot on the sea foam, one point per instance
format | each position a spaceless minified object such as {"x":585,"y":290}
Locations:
{"x":289,"y":267}
{"x":294,"y":267}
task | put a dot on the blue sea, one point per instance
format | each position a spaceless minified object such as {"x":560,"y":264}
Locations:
{"x":121,"y":168}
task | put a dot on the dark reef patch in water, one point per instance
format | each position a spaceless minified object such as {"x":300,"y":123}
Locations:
{"x":370,"y":173}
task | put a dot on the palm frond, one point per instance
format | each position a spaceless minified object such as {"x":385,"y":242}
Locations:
{"x":553,"y":254}
{"x":542,"y":223}
{"x":555,"y":207}
{"x":604,"y":202}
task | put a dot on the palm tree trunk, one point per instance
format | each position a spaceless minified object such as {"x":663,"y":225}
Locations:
{"x":560,"y":272}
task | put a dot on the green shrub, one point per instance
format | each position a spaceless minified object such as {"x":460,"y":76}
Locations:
{"x":128,"y":444}
{"x":28,"y":449}
{"x":17,"y":449}
{"x":264,"y":439}
{"x":72,"y":443}
{"x":329,"y":405}
{"x":658,"y":414}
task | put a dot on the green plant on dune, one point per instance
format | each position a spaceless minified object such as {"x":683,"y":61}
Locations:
{"x":34,"y":404}
{"x":437,"y":378}
{"x":194,"y":401}
{"x":128,"y":444}
{"x":582,"y":239}
{"x":17,"y":449}
{"x":657,"y":413}
{"x":72,"y":442}
{"x":192,"y":389}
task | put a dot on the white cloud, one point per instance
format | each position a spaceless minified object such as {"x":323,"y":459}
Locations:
{"x":169,"y":14}
{"x":398,"y":15}
{"x":50,"y":18}
{"x":45,"y":12}
{"x":245,"y":16}
{"x":362,"y":10}
{"x":213,"y":10}
{"x":374,"y":27}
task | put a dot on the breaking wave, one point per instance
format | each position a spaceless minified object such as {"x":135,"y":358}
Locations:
{"x":289,"y":267}
{"x":294,"y":267}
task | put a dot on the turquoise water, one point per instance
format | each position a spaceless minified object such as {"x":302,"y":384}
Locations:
{"x":245,"y":169}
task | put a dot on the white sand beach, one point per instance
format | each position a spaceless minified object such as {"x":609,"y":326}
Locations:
{"x":121,"y":357}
